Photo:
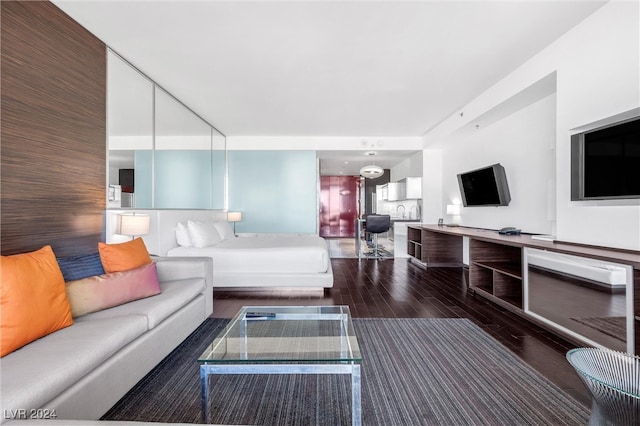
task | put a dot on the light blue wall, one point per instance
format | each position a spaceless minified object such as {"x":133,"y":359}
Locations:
{"x":183,"y":179}
{"x":218,"y":175}
{"x":276,"y":191}
{"x":142,"y":178}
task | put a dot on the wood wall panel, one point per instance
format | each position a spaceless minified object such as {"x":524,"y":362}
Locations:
{"x":53,"y":130}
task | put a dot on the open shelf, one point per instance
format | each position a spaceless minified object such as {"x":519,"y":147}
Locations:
{"x":414,"y":243}
{"x":496,"y":263}
{"x":482,"y":278}
{"x":496,"y":269}
{"x":414,"y":249}
{"x":513,"y":269}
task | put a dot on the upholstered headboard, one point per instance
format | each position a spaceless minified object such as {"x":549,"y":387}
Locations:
{"x":162,"y":227}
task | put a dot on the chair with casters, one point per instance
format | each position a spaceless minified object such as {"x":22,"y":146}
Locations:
{"x":377,"y":224}
{"x":613,"y":379}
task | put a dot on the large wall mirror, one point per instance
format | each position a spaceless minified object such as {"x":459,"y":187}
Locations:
{"x":161,"y":154}
{"x":183,"y":156}
{"x":588,"y":298}
{"x":130,"y":133}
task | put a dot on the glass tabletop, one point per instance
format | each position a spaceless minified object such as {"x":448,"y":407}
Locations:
{"x":267,"y":334}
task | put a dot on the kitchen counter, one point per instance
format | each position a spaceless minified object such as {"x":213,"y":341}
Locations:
{"x":400,"y":236}
{"x":397,"y":234}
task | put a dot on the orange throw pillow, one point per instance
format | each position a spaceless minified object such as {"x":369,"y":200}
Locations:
{"x":33,"y":299}
{"x":123,"y":256}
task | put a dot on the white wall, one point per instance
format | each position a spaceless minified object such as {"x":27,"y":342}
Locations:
{"x":523,"y":143}
{"x":411,"y":167}
{"x":595,"y":83}
{"x":595,"y":69}
{"x":432,"y":179}
{"x":114,"y":177}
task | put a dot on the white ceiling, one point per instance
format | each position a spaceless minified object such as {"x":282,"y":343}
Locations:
{"x":327,"y":68}
{"x":335,"y":163}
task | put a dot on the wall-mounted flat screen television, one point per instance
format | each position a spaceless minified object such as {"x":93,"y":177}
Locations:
{"x":484,"y":187}
{"x":605,"y":162}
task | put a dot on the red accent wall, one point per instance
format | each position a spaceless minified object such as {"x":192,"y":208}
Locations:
{"x":339,"y":210}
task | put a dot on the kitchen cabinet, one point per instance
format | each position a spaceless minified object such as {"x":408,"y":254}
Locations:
{"x":410,"y":188}
{"x":391,"y":191}
{"x":382,"y":192}
{"x":405,"y":189}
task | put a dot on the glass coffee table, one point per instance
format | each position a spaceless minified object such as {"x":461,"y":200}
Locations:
{"x":286,"y":340}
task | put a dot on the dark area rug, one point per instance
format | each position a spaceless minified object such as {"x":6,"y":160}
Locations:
{"x":414,"y":372}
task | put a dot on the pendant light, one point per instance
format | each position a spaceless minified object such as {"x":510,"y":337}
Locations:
{"x":371,"y":171}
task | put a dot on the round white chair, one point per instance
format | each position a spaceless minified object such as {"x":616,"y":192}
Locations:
{"x":613,"y":379}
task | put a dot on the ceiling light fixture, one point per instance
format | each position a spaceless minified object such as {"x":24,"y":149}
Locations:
{"x":371,"y":171}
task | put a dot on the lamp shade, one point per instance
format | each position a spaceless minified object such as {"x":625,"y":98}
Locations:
{"x":453,"y":209}
{"x":371,"y":171}
{"x":234,"y":216}
{"x":133,"y":224}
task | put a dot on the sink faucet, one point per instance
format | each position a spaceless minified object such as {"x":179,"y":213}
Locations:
{"x":403,"y":211}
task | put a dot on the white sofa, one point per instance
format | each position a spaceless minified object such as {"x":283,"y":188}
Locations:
{"x":83,"y":370}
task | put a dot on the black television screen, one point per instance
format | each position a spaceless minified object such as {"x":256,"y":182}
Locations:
{"x":484,"y":187}
{"x":605,"y":162}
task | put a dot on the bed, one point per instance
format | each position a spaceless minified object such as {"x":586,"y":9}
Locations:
{"x":257,"y":261}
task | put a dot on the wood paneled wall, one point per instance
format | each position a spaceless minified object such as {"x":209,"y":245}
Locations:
{"x":53,"y":131}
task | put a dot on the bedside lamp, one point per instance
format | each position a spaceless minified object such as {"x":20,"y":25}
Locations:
{"x":133,"y":224}
{"x":234,"y":217}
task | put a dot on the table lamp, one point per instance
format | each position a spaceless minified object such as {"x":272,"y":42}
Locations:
{"x":234,"y":217}
{"x":133,"y":224}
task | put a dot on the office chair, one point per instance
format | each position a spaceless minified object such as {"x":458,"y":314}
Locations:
{"x":377,"y":224}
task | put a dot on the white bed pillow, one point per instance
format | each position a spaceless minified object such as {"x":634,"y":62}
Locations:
{"x":203,"y":234}
{"x":182,"y":235}
{"x":224,"y":230}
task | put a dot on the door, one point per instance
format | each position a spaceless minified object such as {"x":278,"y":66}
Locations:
{"x":338,"y":206}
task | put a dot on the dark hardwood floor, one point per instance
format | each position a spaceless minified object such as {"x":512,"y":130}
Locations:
{"x":397,"y":288}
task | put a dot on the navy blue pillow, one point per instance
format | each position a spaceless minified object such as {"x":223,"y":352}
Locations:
{"x":82,"y":266}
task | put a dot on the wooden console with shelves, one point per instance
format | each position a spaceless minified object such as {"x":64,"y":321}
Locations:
{"x":434,"y":249}
{"x":496,"y":261}
{"x":414,"y":243}
{"x":496,"y":271}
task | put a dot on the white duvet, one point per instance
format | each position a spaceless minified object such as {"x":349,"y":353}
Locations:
{"x":295,"y":254}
